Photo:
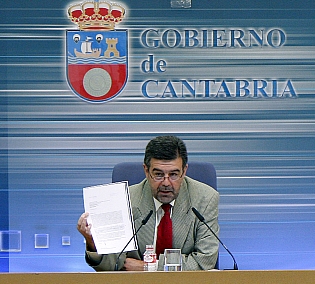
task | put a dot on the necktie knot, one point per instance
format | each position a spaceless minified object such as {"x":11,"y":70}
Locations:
{"x":166,"y":207}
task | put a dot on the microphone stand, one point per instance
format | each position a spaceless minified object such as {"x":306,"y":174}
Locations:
{"x":144,"y":221}
{"x":202,"y":219}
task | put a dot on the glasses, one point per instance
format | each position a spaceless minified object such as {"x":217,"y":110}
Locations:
{"x":161,"y":176}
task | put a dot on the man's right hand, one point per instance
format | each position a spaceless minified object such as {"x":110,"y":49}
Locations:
{"x":85,"y":229}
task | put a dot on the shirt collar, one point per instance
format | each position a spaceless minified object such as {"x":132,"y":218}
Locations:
{"x":158,"y":203}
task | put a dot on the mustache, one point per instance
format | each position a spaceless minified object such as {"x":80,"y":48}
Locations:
{"x":165,"y":188}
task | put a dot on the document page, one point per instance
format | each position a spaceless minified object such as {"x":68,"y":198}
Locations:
{"x":111,"y":217}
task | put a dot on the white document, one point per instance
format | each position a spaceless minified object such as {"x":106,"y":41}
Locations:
{"x":110,"y":214}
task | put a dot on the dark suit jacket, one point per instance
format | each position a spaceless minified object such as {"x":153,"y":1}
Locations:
{"x":199,"y":247}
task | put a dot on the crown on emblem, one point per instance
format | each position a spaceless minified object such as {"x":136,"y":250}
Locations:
{"x":96,"y":15}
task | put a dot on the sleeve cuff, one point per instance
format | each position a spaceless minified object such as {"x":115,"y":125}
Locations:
{"x":93,"y":258}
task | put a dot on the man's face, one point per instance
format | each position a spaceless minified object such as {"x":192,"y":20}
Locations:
{"x":165,"y":189}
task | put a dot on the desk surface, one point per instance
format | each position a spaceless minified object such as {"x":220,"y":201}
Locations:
{"x":191,"y":277}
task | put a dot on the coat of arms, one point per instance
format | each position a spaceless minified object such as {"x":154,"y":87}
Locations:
{"x":97,"y":54}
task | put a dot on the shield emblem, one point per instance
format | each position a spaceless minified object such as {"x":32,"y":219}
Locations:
{"x":97,"y":63}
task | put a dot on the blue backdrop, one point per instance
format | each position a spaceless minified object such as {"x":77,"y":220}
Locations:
{"x":234,"y":80}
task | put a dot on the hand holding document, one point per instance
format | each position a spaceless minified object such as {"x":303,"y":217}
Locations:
{"x":111,"y":217}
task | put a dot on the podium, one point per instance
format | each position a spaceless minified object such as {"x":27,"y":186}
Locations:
{"x":184,"y":277}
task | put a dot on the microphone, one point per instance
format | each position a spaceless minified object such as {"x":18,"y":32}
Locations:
{"x":202,"y":219}
{"x":143,"y":222}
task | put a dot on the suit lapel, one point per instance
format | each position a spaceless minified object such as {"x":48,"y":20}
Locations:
{"x":145,"y":204}
{"x":180,"y":217}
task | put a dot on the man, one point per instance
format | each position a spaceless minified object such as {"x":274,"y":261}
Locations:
{"x":165,"y":166}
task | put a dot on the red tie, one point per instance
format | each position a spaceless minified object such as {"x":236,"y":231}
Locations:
{"x":164,"y":238}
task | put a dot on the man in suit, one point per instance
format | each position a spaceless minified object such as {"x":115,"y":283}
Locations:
{"x":165,"y":166}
